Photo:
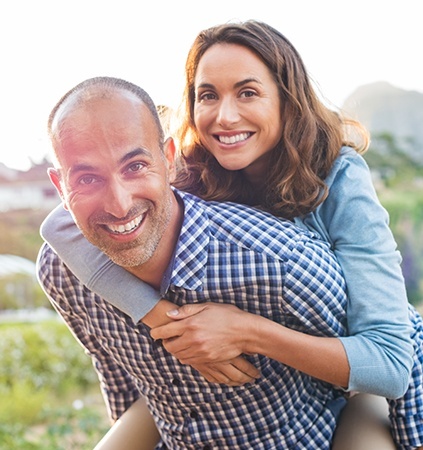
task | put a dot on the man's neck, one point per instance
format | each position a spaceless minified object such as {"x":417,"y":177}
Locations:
{"x":153,"y":271}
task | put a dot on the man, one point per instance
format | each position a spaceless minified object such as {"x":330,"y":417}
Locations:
{"x":278,"y":284}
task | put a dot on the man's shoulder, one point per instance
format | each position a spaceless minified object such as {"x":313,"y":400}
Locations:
{"x":228,"y":213}
{"x":49,"y":267}
{"x":45,"y":255}
{"x":247,"y":226}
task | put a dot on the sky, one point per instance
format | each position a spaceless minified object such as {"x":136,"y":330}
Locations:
{"x":48,"y":46}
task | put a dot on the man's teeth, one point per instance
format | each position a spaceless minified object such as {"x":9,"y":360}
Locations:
{"x":127,"y":228}
{"x":233,"y":139}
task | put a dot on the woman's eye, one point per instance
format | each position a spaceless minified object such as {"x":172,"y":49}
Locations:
{"x":248,"y":94}
{"x":206,"y":96}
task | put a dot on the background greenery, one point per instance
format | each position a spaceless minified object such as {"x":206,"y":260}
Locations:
{"x":399,"y":183}
{"x":49,"y":392}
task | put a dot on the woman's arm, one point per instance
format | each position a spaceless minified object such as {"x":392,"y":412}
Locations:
{"x":234,"y":332}
{"x":96,"y":270}
{"x":353,"y":221}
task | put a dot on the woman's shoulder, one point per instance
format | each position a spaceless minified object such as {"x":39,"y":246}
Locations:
{"x":349,"y":164}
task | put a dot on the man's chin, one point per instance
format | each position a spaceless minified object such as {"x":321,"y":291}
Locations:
{"x":127,"y":258}
{"x":126,"y":254}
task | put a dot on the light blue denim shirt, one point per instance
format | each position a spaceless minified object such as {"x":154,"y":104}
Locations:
{"x":351,"y":219}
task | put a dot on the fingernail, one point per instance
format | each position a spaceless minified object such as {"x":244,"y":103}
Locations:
{"x":173,"y":312}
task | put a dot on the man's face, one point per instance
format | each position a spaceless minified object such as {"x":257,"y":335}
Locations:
{"x":114,"y":176}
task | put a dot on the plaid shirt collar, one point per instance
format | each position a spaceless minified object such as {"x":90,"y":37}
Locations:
{"x":188,"y":266}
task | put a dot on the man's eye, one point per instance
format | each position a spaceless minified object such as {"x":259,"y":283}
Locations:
{"x":88,"y":179}
{"x":136,"y":167}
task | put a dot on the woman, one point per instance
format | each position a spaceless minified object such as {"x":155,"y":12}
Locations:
{"x":255,"y":132}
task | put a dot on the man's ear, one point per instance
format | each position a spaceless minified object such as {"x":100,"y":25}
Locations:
{"x":170,"y":151}
{"x":55,"y":179}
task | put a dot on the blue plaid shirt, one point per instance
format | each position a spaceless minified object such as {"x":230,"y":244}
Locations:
{"x":226,"y":253}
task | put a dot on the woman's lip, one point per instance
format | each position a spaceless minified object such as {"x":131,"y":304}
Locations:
{"x":233,"y":138}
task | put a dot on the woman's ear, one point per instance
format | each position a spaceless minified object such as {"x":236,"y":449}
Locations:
{"x":55,"y":180}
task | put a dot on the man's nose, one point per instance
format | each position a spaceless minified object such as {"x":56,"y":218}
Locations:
{"x":228,"y":112}
{"x":118,"y":200}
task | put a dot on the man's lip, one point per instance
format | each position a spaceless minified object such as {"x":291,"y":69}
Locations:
{"x":124,"y":228}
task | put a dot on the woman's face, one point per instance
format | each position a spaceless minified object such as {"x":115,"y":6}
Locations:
{"x":237,"y":108}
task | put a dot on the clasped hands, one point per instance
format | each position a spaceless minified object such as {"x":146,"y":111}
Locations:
{"x":208,"y":337}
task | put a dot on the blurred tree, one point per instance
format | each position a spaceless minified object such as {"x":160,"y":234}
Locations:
{"x":391,"y":162}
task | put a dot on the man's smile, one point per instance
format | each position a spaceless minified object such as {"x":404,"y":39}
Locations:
{"x":126,"y":228}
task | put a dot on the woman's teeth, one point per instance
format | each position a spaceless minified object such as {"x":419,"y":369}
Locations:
{"x":233,"y":139}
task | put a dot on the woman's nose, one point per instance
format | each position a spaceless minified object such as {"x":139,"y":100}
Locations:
{"x":228,"y":112}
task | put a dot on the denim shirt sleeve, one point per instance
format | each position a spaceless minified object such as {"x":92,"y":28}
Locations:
{"x":94,"y":269}
{"x":379,"y":347}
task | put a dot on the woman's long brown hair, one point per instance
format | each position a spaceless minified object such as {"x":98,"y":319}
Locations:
{"x":312,"y":134}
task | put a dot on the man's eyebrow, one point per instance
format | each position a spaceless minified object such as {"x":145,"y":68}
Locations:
{"x":132,"y":154}
{"x":82,"y":167}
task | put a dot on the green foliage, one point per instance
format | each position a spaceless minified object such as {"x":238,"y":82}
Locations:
{"x":20,"y":403}
{"x":43,"y":356}
{"x":405,"y":208}
{"x":395,"y":166}
{"x":399,"y":175}
{"x":62,"y":428}
{"x":19,"y":232}
{"x":42,"y":371}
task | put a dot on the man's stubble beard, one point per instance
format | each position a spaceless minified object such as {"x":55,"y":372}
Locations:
{"x":139,"y":251}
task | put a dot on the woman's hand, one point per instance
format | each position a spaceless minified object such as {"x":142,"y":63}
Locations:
{"x":211,"y":333}
{"x":233,"y":371}
{"x":236,"y":372}
{"x":204,"y":333}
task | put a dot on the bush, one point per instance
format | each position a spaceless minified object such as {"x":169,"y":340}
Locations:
{"x":43,"y":370}
{"x":43,"y":356}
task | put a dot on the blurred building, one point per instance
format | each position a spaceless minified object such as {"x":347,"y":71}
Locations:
{"x":27,"y":190}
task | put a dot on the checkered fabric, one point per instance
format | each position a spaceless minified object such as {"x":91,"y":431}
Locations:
{"x":406,"y":413}
{"x":230,"y":254}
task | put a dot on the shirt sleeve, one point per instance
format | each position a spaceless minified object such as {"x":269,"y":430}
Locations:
{"x":379,"y":347}
{"x":94,"y":269}
{"x":64,"y":291}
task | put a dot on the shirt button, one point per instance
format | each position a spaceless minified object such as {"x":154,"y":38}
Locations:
{"x":176,"y":382}
{"x":193,"y":414}
{"x":157,"y":344}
